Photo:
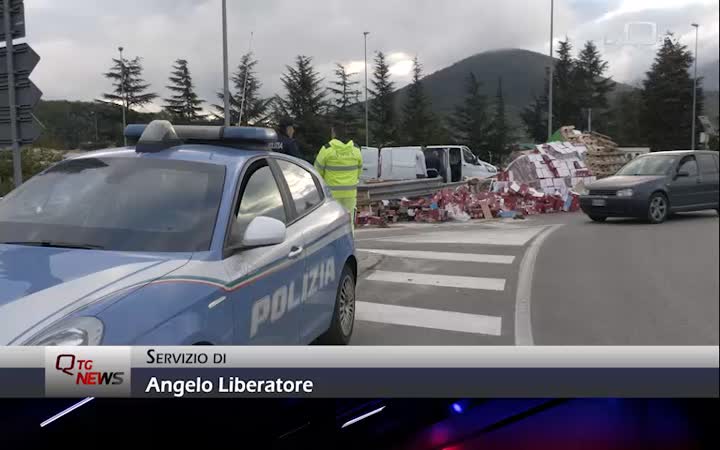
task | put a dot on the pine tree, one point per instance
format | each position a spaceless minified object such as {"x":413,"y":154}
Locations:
{"x":624,"y":120}
{"x":667,"y":98}
{"x":305,"y":101}
{"x":592,"y":86}
{"x":535,"y":115}
{"x":499,"y":133}
{"x":254,"y":108}
{"x":382,"y":104}
{"x":345,"y":109}
{"x":417,"y":116}
{"x":470,"y":121}
{"x":184,"y":103}
{"x":130,"y":89}
{"x":566,"y":105}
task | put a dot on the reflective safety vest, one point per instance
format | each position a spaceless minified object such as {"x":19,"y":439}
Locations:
{"x":340,"y":165}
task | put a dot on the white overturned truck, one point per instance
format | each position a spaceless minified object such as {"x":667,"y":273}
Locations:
{"x":396,"y":172}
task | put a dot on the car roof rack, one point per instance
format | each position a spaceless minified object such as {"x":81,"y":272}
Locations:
{"x":160,"y":135}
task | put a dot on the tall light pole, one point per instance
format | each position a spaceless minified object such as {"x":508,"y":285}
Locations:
{"x":552,"y":70}
{"x":694,"y":108}
{"x":226,"y":82}
{"x":122,"y":93}
{"x":367,"y":116}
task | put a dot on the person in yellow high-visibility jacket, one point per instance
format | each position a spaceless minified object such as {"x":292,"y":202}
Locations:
{"x":340,"y":165}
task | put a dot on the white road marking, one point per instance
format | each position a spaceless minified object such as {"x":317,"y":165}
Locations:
{"x":510,"y":237}
{"x":523,"y":318}
{"x":425,"y":279}
{"x":443,"y":256}
{"x":428,"y":318}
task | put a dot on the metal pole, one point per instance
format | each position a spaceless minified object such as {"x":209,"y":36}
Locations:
{"x":17,"y":165}
{"x":589,"y":120}
{"x":552,"y":70}
{"x":124,"y":97}
{"x":694,"y":108}
{"x":367,"y":115}
{"x":226,"y":79}
{"x":247,"y":75}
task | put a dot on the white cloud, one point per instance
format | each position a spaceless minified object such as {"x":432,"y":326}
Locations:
{"x":77,"y":39}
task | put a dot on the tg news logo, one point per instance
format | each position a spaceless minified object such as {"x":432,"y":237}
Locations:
{"x":83,"y":372}
{"x":87,"y":371}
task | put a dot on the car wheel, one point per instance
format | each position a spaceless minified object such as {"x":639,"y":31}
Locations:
{"x":658,"y":208}
{"x":343,"y":320}
{"x":598,"y":219}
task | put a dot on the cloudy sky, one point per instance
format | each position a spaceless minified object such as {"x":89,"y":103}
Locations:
{"x":76,"y":39}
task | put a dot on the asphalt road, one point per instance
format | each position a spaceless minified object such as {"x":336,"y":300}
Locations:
{"x":625,"y":282}
{"x":548,"y":280}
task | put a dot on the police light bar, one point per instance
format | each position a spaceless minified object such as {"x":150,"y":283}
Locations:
{"x":161,"y":134}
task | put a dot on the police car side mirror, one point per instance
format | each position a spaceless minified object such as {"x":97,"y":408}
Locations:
{"x":263,"y":231}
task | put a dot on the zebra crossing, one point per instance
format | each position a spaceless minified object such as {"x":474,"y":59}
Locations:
{"x":451,"y":284}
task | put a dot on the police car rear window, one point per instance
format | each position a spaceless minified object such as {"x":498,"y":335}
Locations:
{"x":124,"y":204}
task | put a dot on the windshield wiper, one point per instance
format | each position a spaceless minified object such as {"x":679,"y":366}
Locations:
{"x":57,"y":244}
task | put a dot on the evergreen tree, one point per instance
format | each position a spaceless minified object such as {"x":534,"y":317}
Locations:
{"x":417,"y":116}
{"x":499,"y":133}
{"x":255,"y":109}
{"x":667,"y":98}
{"x":382,"y":104}
{"x":184,"y":103}
{"x":305,"y":101}
{"x":535,"y":115}
{"x":470,"y":121}
{"x":566,"y":104}
{"x":345,"y":109}
{"x":592,"y":86}
{"x":624,"y":120}
{"x":130,"y":89}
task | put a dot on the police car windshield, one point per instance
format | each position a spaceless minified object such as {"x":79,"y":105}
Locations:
{"x":124,"y":204}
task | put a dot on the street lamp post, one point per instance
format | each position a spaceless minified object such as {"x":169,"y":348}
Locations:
{"x":226,"y":82}
{"x":694,"y":107}
{"x":552,"y":69}
{"x":122,"y":93}
{"x":367,"y":120}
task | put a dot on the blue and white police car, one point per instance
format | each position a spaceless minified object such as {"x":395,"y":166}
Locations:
{"x":195,"y":235}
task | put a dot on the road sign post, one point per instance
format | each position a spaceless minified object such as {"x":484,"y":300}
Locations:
{"x":18,"y":95}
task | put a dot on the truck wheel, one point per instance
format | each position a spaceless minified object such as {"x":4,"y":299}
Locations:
{"x":343,"y":320}
{"x":658,"y":208}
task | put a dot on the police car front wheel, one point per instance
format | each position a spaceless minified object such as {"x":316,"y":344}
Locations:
{"x":343,"y":319}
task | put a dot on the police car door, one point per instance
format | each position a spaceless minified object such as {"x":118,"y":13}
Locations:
{"x":266,"y":281}
{"x":321,"y":228}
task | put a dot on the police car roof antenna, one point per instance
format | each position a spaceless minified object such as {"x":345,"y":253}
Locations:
{"x":247,"y":73}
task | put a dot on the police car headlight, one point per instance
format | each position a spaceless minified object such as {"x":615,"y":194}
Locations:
{"x":76,"y":331}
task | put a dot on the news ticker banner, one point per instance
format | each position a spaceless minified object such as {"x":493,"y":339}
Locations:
{"x":335,"y":372}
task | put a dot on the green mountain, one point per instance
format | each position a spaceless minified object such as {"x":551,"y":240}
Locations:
{"x":523,"y":74}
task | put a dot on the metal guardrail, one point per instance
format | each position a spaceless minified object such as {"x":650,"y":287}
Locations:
{"x":394,"y":190}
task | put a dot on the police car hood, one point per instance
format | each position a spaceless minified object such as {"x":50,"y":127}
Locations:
{"x":39,"y":285}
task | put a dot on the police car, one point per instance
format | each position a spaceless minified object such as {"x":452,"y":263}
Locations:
{"x":196,"y":235}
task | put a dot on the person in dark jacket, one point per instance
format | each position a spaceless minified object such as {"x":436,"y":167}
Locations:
{"x":286,"y":143}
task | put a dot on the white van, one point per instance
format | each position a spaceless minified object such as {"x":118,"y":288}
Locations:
{"x":457,"y":163}
{"x":371,"y":163}
{"x":402,"y":163}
